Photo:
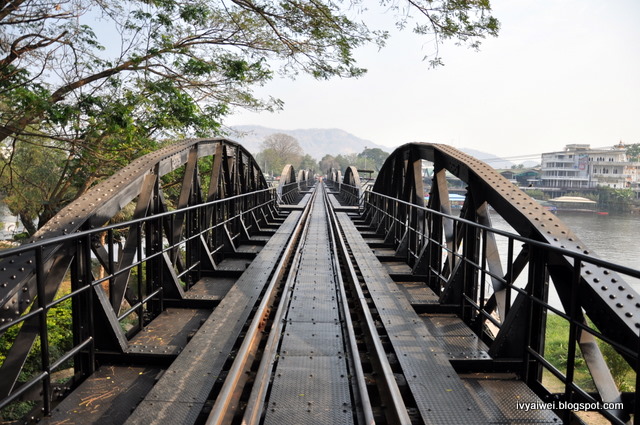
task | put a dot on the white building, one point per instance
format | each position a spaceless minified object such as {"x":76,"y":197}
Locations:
{"x":580,"y":167}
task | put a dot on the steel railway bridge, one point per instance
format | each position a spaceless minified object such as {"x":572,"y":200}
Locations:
{"x":223,"y":300}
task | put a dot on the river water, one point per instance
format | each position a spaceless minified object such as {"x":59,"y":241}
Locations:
{"x":612,"y":237}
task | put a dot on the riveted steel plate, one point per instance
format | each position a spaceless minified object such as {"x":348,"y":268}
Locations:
{"x":455,"y":337}
{"x":446,"y":325}
{"x":311,"y":384}
{"x":499,"y":400}
{"x":440,"y":395}
{"x":310,"y":309}
{"x":191,"y":376}
{"x":418,"y":293}
{"x":303,"y":381}
{"x":210,"y":288}
{"x":312,"y":339}
{"x":326,"y":293}
{"x":233,"y":264}
{"x":105,"y":398}
{"x":164,"y":412}
{"x":397,"y":267}
{"x":172,"y":327}
{"x":311,"y":415}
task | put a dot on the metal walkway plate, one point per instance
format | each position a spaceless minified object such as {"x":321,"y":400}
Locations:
{"x":455,"y":337}
{"x":311,"y":382}
{"x":498,"y":397}
{"x":184,"y":388}
{"x":440,"y":394}
{"x":106,"y":398}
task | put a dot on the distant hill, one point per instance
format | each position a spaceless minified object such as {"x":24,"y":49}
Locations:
{"x":316,"y":142}
{"x":492,"y":160}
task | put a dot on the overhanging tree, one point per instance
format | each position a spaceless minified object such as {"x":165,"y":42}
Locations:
{"x":96,"y":78}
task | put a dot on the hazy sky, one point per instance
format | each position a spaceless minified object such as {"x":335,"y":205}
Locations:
{"x":561,"y":71}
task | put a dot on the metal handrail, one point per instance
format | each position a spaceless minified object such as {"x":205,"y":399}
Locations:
{"x":39,"y":248}
{"x":388,"y":214}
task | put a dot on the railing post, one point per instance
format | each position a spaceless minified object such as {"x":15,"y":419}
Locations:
{"x":573,"y":334}
{"x":82,"y":306}
{"x":44,"y":333}
{"x":538,"y":289}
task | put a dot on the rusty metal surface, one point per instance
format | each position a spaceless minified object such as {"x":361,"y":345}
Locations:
{"x":607,"y":298}
{"x":211,"y":288}
{"x":173,"y":327}
{"x":106,"y":398}
{"x":444,"y":400}
{"x":191,"y":377}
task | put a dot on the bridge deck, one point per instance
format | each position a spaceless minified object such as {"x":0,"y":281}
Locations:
{"x":313,"y":374}
{"x":180,"y":394}
{"x":311,"y":383}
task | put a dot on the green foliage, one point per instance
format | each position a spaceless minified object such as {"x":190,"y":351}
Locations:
{"x":620,"y":200}
{"x":308,"y":163}
{"x":59,"y":328}
{"x":556,"y":351}
{"x":277,"y":151}
{"x":556,"y":347}
{"x":60,"y":339}
{"x":633,"y":152}
{"x":171,"y":70}
{"x":374,"y":158}
{"x":327,"y":163}
{"x":622,"y":373}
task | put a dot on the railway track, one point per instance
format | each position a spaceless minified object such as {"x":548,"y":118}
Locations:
{"x":312,"y":353}
{"x":307,"y":304}
{"x":314,"y":330}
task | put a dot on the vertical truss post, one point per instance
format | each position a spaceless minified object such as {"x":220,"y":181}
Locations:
{"x":153,"y":244}
{"x":82,"y":307}
{"x":44,"y":334}
{"x":538,"y":287}
{"x":471,"y":254}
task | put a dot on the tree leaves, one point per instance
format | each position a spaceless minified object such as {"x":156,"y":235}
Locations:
{"x":100,"y":80}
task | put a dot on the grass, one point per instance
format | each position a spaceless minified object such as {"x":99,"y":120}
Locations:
{"x":556,"y":352}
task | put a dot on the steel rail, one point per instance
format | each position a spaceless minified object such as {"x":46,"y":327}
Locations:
{"x":255,"y":405}
{"x":390,"y":384}
{"x":221,"y":409}
{"x":367,"y":410}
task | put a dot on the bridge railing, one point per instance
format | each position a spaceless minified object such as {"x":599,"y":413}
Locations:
{"x":290,"y":193}
{"x":114,"y":280}
{"x":464,"y":276}
{"x":351,"y":195}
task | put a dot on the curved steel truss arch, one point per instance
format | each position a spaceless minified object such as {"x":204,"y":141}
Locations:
{"x":351,"y":188}
{"x":448,"y":253}
{"x":220,"y":198}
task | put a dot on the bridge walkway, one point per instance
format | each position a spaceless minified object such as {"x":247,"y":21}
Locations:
{"x":214,"y":348}
{"x":427,"y":345}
